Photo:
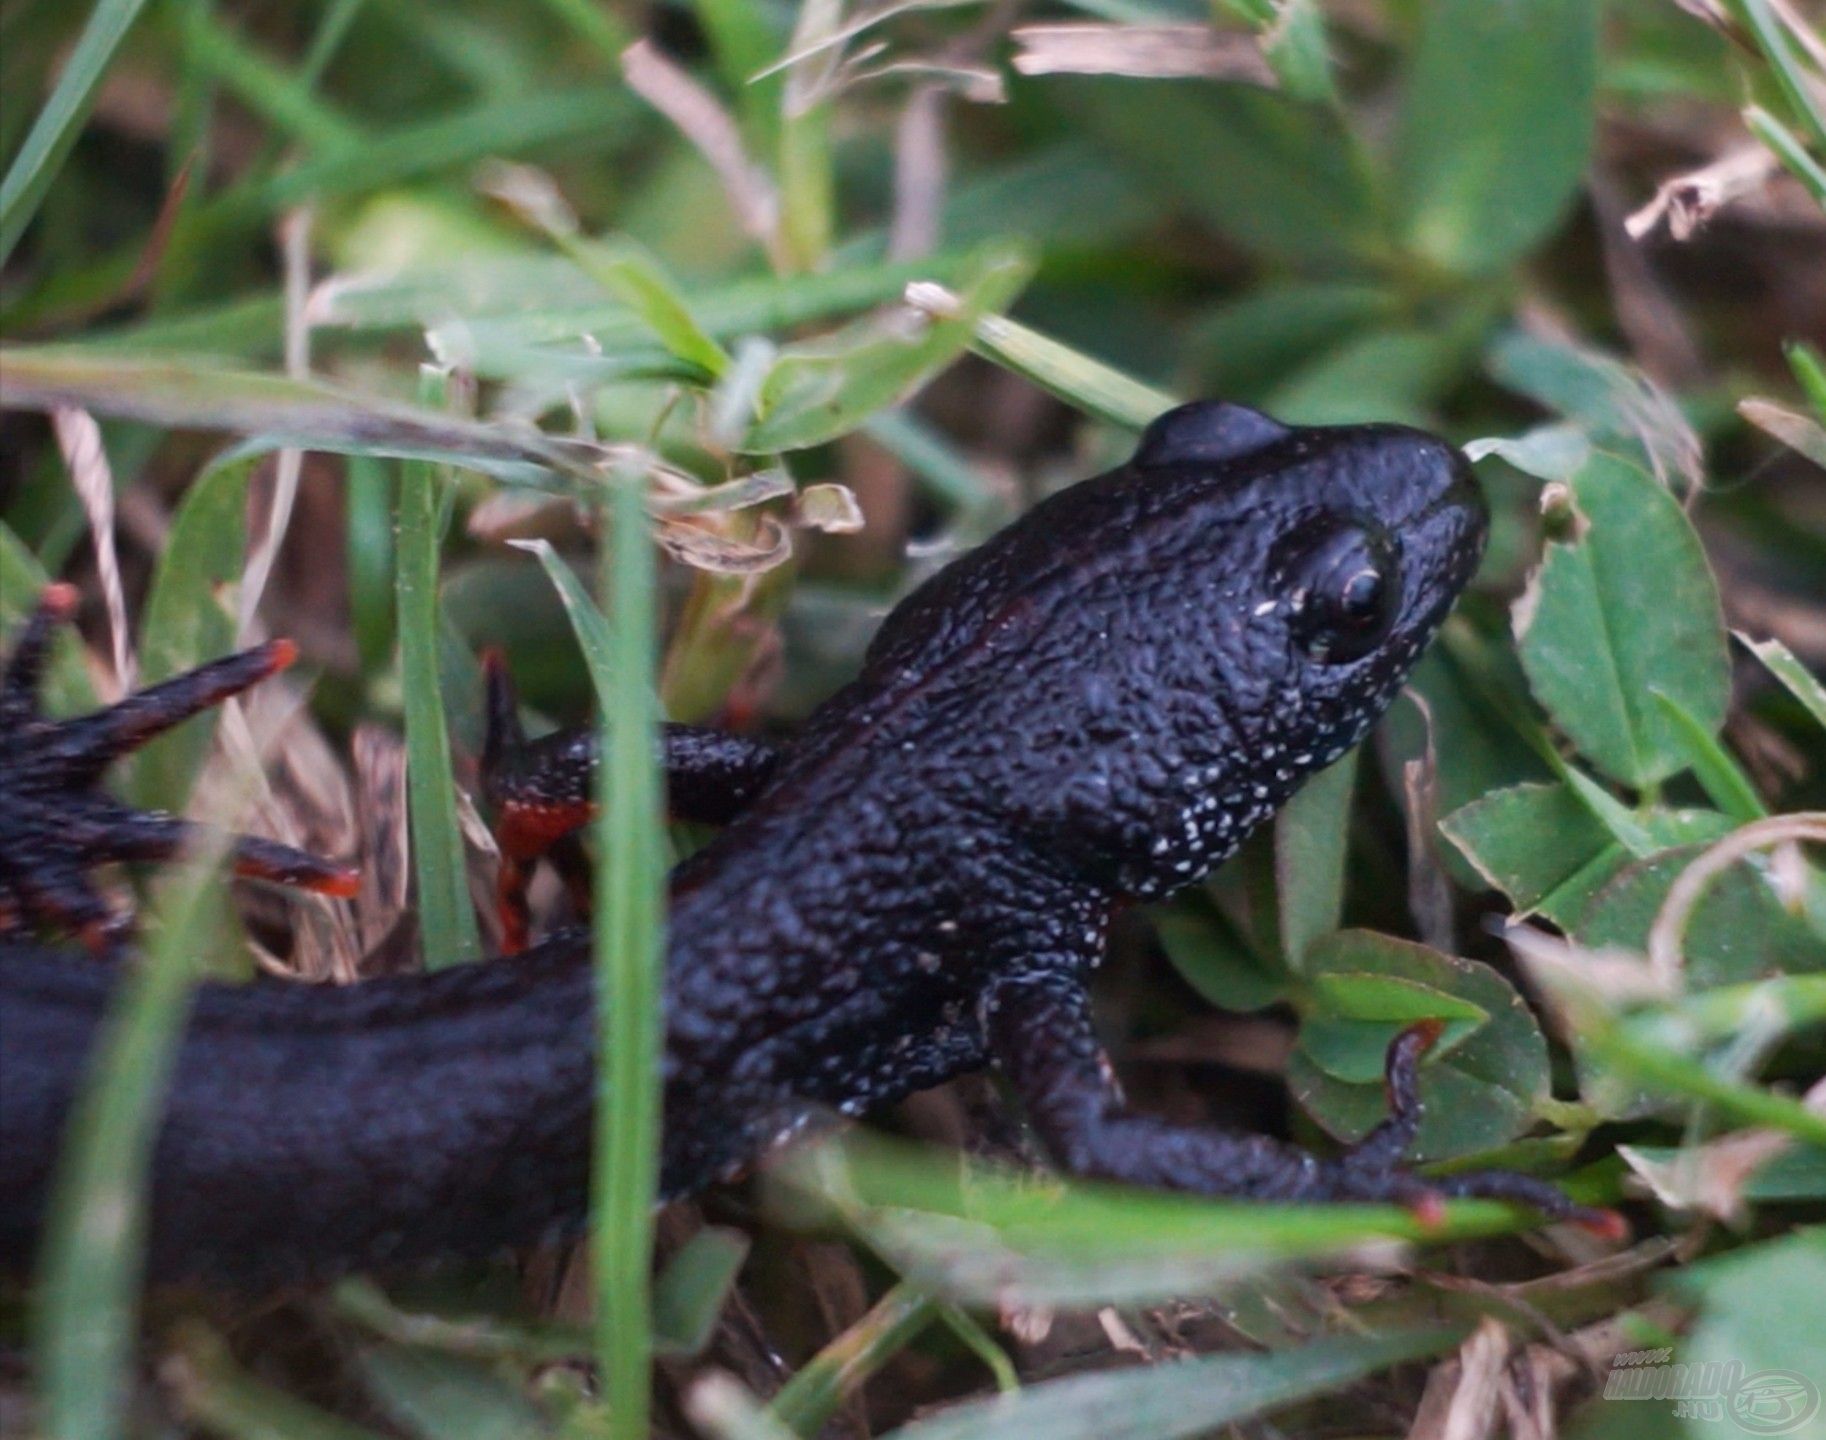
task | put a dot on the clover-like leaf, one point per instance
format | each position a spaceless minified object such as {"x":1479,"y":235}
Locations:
{"x":1480,"y":1092}
{"x":1624,"y":608}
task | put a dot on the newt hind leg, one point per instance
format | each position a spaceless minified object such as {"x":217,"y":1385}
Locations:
{"x":57,"y":824}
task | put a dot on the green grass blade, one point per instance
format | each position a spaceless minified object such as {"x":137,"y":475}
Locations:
{"x":447,"y":922}
{"x":594,"y":635}
{"x":689,"y":1296}
{"x":1789,"y":150}
{"x":268,"y":89}
{"x":1785,"y":62}
{"x":813,"y":1394}
{"x":631,"y":274}
{"x":944,"y":470}
{"x":88,"y":1299}
{"x":1183,"y":1398}
{"x":1722,"y":778}
{"x":594,"y":25}
{"x":225,"y":1400}
{"x":1809,"y":373}
{"x":1076,"y":378}
{"x":1648,"y":1059}
{"x":193,"y":393}
{"x":1786,"y":666}
{"x":29,"y":177}
{"x":630,"y":956}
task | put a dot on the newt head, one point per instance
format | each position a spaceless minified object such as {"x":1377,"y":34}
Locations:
{"x":1164,"y":653}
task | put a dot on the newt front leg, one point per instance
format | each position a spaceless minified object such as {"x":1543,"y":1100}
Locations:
{"x":1040,"y":1036}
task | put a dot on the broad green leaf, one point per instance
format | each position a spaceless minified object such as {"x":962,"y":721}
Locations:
{"x":1214,"y":959}
{"x":1739,"y":930}
{"x":1482,"y":1093}
{"x":689,"y":1294}
{"x":1625,"y":608}
{"x":819,"y":389}
{"x":190,"y":618}
{"x":1256,"y":340}
{"x":1377,"y":375}
{"x":1355,"y":1014}
{"x":1619,"y":405}
{"x":1181,"y":1398}
{"x":1762,"y":1310}
{"x":1270,"y":173}
{"x":1542,"y":846}
{"x":1495,"y":128}
{"x":1311,"y":838}
{"x":1537,"y":844}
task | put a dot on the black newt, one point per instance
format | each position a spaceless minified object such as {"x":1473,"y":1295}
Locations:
{"x":1094,"y":707}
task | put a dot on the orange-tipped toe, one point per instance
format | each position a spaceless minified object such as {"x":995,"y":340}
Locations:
{"x":280,"y":655}
{"x":1426,"y":1033}
{"x":344,"y":883}
{"x":1429,"y":1209}
{"x":1606,"y":1225}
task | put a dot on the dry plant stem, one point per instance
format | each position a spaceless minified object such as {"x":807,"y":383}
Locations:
{"x":79,"y":438}
{"x":709,"y":127}
{"x":1669,"y":929}
{"x":295,"y":246}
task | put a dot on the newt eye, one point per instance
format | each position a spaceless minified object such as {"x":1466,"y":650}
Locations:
{"x":1345,"y":589}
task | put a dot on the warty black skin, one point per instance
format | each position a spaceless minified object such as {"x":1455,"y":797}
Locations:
{"x":1094,"y":707}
